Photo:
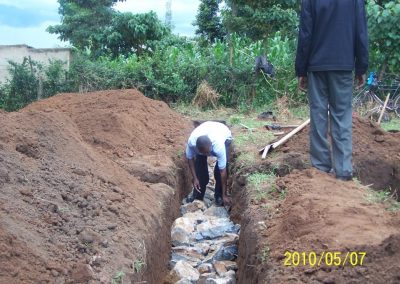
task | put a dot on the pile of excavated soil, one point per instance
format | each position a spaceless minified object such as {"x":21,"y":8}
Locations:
{"x":319,"y":214}
{"x":311,"y":211}
{"x":376,"y":155}
{"x":90,"y":185}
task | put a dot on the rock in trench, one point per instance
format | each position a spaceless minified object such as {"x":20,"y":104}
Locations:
{"x":182,"y":230}
{"x":182,"y":271}
{"x":194,"y":206}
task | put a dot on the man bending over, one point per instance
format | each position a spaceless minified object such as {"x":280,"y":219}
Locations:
{"x":209,"y":139}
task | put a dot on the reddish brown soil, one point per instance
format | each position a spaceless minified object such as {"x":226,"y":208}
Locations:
{"x":319,"y":213}
{"x":376,"y":155}
{"x":89,"y":187}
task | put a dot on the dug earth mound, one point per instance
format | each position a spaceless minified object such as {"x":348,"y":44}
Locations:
{"x":306,"y":222}
{"x":90,"y":185}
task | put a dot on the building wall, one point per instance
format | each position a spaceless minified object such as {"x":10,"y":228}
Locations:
{"x":17,"y":53}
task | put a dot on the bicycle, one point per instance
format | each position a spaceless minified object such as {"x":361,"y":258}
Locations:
{"x":371,"y":99}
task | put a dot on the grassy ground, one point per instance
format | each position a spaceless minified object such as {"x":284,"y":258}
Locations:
{"x":393,"y":124}
{"x":249,"y":132}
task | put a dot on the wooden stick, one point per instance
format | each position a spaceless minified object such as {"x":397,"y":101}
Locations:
{"x":384,"y":108}
{"x":290,"y":134}
{"x":279,"y":133}
{"x":284,"y":139}
{"x":245,"y":126}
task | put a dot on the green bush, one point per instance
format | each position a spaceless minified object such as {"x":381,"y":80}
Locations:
{"x":171,"y":73}
{"x":30,"y":81}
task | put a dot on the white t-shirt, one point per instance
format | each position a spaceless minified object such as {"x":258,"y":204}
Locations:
{"x":218,"y":134}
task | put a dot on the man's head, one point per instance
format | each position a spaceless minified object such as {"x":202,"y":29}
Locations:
{"x":203,"y":145}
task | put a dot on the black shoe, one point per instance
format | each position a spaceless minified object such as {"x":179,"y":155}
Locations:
{"x":344,"y":178}
{"x":219,"y":201}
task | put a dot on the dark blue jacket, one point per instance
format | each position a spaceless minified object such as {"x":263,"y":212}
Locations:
{"x":333,"y":36}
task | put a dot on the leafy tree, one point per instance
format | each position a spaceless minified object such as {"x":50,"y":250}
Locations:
{"x":260,"y":19}
{"x":208,"y":22}
{"x":83,"y":22}
{"x":133,"y":32}
{"x":22,"y":87}
{"x":384,"y":38}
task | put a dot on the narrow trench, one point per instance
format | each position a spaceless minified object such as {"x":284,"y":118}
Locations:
{"x":204,"y":242}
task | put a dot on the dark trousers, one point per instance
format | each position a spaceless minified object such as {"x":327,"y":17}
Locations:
{"x":331,"y":90}
{"x":201,"y":167}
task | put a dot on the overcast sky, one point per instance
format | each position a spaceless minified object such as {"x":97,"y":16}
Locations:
{"x":25,"y":21}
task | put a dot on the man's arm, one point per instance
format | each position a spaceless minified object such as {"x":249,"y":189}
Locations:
{"x":224,"y":183}
{"x":195,"y":181}
{"x":222,"y":158}
{"x":304,"y":39}
{"x":190,"y":155}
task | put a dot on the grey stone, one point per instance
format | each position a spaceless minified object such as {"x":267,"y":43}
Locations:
{"x":210,"y":257}
{"x":194,"y":206}
{"x":226,"y":252}
{"x":184,"y":281}
{"x":182,"y":270}
{"x":230,"y":265}
{"x":220,"y":268}
{"x":182,"y":230}
{"x":193,"y":251}
{"x":192,"y":255}
{"x":232,"y":275}
{"x":206,"y":276}
{"x":194,"y":262}
{"x":205,"y":268}
{"x":214,"y":228}
{"x":215,"y":211}
{"x":220,"y":281}
{"x":198,"y":217}
{"x":203,"y":247}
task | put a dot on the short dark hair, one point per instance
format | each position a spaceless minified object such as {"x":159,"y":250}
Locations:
{"x":203,"y":143}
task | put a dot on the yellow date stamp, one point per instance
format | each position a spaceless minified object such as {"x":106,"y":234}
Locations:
{"x":324,"y":258}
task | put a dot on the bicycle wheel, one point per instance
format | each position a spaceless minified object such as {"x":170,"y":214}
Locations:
{"x":359,"y":95}
{"x":374,"y":114}
{"x":364,"y":102}
{"x":396,"y":105}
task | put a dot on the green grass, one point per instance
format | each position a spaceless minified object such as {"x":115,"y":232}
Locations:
{"x":256,"y":180}
{"x":180,"y":153}
{"x":118,"y":277}
{"x":393,"y":124}
{"x":253,"y":138}
{"x":138,"y":265}
{"x":383,"y":196}
{"x":246,"y":121}
{"x":247,"y":158}
{"x":301,"y":112}
{"x":357,"y":181}
{"x":378,"y":196}
{"x":194,"y":112}
{"x":264,"y":256}
{"x":262,"y":184}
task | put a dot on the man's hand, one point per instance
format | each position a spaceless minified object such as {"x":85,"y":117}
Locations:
{"x":303,"y":84}
{"x":196,"y":184}
{"x":360,"y":81}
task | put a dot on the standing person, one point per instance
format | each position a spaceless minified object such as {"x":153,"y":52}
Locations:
{"x":209,"y":139}
{"x":333,"y":41}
